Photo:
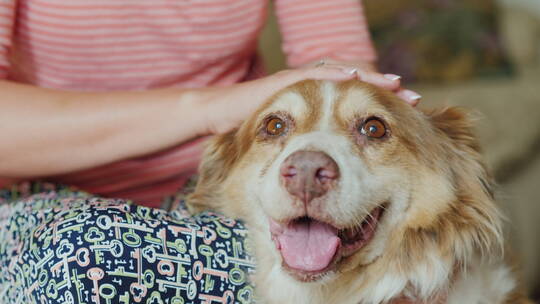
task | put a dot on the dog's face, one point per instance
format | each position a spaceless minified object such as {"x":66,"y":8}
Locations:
{"x":340,"y":176}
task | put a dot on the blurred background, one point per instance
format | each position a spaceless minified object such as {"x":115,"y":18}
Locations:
{"x":481,"y":54}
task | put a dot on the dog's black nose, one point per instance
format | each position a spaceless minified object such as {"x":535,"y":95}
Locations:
{"x":309,"y":174}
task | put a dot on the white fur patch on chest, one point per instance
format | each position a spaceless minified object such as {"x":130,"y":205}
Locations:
{"x":484,"y":284}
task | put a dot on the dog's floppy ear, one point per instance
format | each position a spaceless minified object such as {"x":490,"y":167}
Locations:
{"x":475,"y":211}
{"x":458,"y":125}
{"x":220,"y":154}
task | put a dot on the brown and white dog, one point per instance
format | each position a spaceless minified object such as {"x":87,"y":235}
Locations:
{"x":353,"y":196}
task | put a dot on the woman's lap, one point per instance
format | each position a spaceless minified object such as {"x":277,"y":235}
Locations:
{"x":62,"y":246}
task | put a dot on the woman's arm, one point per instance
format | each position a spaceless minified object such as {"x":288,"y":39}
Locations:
{"x":45,"y":132}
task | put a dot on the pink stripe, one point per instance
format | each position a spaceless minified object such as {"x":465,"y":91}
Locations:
{"x":114,"y":39}
{"x":50,"y":72}
{"x":6,"y":16}
{"x":44,"y":48}
{"x":143,"y":174}
{"x":324,"y":33}
{"x":79,"y":6}
{"x":239,"y":9}
{"x":82,"y":60}
{"x":151,"y":195}
{"x":130,"y":183}
{"x":139,"y":172}
{"x":217,"y":44}
{"x":7,"y":5}
{"x":121,"y":84}
{"x":153,"y":76}
{"x":53,"y":76}
{"x":302,"y":7}
{"x":7,"y":182}
{"x":141,"y":42}
{"x":162,"y":24}
{"x":134,"y":4}
{"x":328,"y":25}
{"x":316,"y":16}
{"x":103,"y":25}
{"x":132,"y":165}
{"x":75,"y":71}
{"x":146,"y":187}
{"x":86,"y":65}
{"x":331,"y":42}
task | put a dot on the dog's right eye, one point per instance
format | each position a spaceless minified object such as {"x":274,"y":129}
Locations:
{"x":373,"y":128}
{"x":275,"y":126}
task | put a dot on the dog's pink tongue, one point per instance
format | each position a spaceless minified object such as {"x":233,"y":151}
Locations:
{"x":308,"y":245}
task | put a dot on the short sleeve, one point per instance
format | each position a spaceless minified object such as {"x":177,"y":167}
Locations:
{"x":7,"y":19}
{"x":314,"y":29}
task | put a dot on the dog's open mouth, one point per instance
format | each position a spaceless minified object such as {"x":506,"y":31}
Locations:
{"x":310,"y":247}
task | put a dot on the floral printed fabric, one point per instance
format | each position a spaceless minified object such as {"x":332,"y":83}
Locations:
{"x":58,"y":245}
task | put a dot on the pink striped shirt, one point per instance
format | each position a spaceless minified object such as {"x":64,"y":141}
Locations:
{"x":107,"y":45}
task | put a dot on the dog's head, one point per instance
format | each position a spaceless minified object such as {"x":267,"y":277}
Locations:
{"x":343,"y":176}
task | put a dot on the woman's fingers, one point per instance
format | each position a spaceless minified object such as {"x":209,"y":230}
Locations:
{"x":409,"y":96}
{"x":327,"y":72}
{"x":387,"y":81}
{"x":339,"y":72}
{"x":390,"y":82}
{"x":284,"y":78}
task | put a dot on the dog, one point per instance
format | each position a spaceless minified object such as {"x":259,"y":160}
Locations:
{"x":353,"y":196}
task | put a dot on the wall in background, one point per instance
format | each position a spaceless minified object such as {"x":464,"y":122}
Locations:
{"x":532,"y":6}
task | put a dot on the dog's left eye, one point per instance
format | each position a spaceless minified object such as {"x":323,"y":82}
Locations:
{"x":275,"y":126}
{"x":374,"y":128}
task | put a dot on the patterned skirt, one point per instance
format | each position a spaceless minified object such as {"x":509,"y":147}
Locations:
{"x":59,"y":245}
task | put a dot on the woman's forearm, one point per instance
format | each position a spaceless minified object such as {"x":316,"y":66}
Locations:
{"x":46,"y":132}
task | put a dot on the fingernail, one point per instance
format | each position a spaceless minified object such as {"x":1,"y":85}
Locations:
{"x":415,"y":97}
{"x":392,"y":77}
{"x":411,"y":95}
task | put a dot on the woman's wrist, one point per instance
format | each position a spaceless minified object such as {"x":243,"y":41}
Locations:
{"x":202,"y":106}
{"x":189,"y":107}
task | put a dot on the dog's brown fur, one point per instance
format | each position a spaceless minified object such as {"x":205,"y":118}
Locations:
{"x":451,"y":218}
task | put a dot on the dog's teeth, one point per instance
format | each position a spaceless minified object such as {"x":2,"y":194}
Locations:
{"x":278,"y":245}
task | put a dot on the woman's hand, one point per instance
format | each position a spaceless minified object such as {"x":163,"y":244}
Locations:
{"x":227,"y":107}
{"x":368,"y":73}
